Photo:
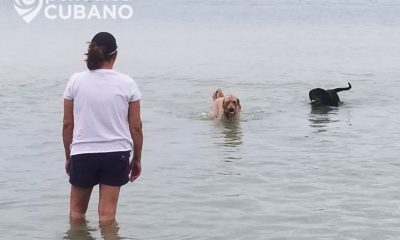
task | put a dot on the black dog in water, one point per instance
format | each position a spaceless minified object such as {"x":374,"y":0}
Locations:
{"x":326,"y":97}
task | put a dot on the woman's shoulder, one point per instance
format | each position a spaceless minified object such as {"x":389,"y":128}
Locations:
{"x":123,"y":75}
{"x":79,"y":75}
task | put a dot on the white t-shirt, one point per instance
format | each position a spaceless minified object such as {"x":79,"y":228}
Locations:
{"x":101,"y":101}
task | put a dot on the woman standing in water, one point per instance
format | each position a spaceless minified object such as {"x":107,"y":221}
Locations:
{"x":101,"y":126}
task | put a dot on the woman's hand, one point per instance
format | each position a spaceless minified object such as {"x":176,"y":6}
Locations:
{"x":136,"y":169}
{"x":68,"y":165}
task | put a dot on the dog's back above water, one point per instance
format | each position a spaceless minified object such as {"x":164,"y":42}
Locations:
{"x":319,"y":96}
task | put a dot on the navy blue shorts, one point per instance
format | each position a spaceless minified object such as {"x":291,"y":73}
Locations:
{"x":89,"y":169}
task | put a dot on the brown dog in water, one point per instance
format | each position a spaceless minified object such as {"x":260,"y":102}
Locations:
{"x":225,"y":107}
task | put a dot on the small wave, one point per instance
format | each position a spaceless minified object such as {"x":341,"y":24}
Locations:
{"x":197,"y":116}
{"x":244,"y":116}
{"x":253,"y":116}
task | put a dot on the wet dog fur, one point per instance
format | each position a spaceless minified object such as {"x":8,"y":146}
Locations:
{"x":319,"y":96}
{"x":225,"y":107}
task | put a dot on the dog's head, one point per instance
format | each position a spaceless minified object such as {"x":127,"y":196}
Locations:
{"x":231,"y":106}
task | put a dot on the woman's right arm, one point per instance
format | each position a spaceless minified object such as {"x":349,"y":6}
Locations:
{"x":135,"y":128}
{"x":67,"y":132}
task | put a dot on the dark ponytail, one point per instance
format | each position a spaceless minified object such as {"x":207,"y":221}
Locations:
{"x":96,"y":56}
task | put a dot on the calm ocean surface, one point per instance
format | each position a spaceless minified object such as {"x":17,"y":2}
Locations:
{"x":284,"y":171}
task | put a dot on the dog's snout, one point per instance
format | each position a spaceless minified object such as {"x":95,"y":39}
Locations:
{"x":231,"y":110}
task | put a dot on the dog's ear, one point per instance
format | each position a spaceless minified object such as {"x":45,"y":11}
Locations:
{"x":239,"y":106}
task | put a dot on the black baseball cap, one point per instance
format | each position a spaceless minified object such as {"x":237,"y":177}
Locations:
{"x":106,"y":40}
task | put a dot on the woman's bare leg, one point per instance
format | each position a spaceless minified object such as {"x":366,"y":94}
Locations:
{"x":108,"y":203}
{"x":79,"y":201}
